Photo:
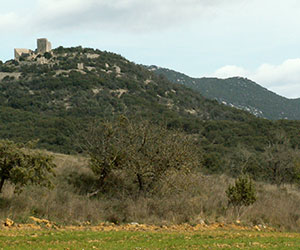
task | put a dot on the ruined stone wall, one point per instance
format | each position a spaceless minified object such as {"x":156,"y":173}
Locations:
{"x":43,"y":45}
{"x":19,"y":52}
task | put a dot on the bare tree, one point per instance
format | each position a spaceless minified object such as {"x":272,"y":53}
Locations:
{"x":145,"y":151}
{"x":280,"y":161}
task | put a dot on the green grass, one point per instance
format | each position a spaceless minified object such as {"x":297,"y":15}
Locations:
{"x":88,"y":239}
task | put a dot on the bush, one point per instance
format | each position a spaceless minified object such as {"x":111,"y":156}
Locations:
{"x":47,"y":55}
{"x":241,"y":194}
{"x":20,"y":167}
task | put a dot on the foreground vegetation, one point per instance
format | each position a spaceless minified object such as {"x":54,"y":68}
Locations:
{"x":137,"y":171}
{"x":191,"y":198}
{"x":163,"y":239}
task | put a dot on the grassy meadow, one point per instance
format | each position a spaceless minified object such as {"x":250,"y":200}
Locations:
{"x":94,"y":238}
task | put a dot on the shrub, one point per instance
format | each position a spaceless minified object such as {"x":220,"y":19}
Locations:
{"x":21,"y":167}
{"x":47,"y":55}
{"x":241,"y":194}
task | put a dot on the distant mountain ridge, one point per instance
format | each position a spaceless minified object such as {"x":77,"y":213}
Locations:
{"x":238,"y":92}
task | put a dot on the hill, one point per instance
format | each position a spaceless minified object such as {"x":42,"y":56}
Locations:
{"x":56,"y":97}
{"x":185,"y":156}
{"x":64,"y":89}
{"x":240,"y":93}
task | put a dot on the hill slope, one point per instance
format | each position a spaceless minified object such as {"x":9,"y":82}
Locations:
{"x":74,"y":85}
{"x":57,"y":98}
{"x":239,"y":92}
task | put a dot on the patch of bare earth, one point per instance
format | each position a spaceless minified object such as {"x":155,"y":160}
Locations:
{"x":135,"y":227}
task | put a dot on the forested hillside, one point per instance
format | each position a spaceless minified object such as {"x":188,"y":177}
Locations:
{"x":76,"y":85}
{"x":147,"y":149}
{"x":56,"y":101}
{"x":240,"y":93}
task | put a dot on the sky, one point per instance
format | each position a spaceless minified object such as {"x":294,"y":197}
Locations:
{"x":257,"y":39}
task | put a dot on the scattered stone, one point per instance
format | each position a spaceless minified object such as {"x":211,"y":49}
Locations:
{"x":9,"y":223}
{"x":80,"y":66}
{"x":43,"y":222}
{"x":202,"y":222}
{"x":92,"y":56}
{"x":118,"y":69}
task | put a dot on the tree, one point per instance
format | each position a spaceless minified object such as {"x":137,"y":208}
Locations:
{"x":145,"y":151}
{"x":20,"y":166}
{"x":241,"y":194}
{"x":47,"y":55}
{"x":243,"y":161}
{"x":59,"y":50}
{"x":280,"y":161}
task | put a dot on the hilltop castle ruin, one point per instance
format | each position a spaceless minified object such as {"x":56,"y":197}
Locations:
{"x":43,"y":46}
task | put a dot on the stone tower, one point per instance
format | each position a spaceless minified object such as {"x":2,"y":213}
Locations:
{"x":43,"y":45}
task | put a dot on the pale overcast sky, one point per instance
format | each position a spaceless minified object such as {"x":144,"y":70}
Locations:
{"x":258,"y":39}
